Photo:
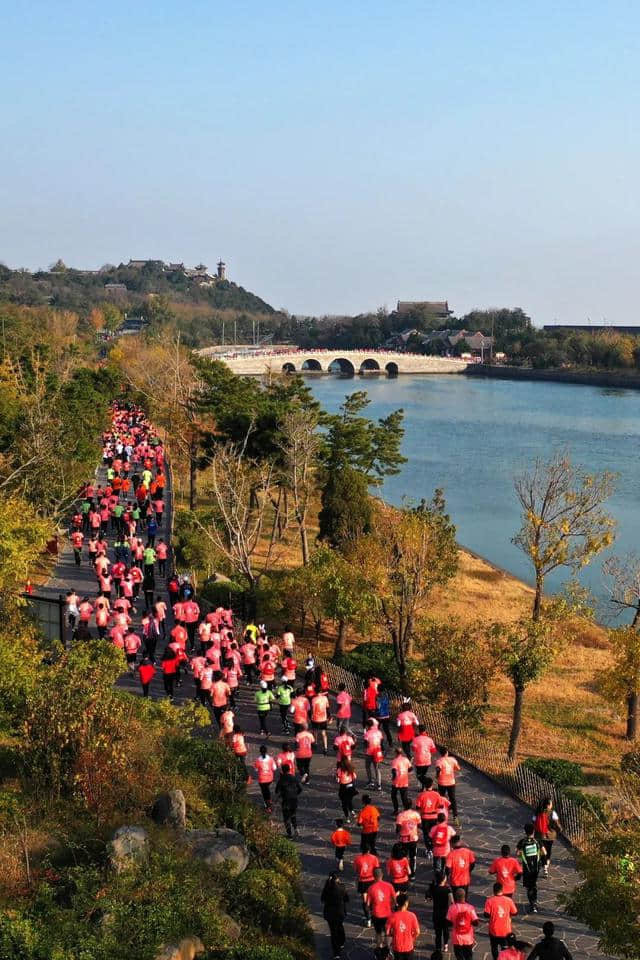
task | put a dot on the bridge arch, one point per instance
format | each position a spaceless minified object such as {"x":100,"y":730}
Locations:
{"x":288,"y":367}
{"x":392,"y":369}
{"x":342,"y":367}
{"x":312,"y":365}
{"x":369,"y":366}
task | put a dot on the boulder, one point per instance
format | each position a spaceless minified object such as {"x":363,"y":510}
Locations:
{"x":187,"y":949}
{"x":170,"y":809}
{"x":219,"y":846}
{"x":129,"y":847}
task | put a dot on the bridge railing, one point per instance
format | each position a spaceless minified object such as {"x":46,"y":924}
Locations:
{"x":578,"y":824}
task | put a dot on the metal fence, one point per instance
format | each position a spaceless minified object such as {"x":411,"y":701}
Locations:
{"x":579,"y":825}
{"x":49,"y":613}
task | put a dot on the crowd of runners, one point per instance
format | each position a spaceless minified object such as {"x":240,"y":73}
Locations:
{"x":156,"y":619}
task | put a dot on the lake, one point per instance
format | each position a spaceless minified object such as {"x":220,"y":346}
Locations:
{"x":471,"y":435}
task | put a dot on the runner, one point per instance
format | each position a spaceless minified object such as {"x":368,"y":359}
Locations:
{"x":459,"y":864}
{"x":407,"y":724}
{"x":288,"y":789}
{"x":265,"y":768}
{"x":446,"y":768}
{"x":334,"y":899}
{"x":321,"y":717}
{"x":264,"y":698}
{"x":462,"y":919}
{"x":381,"y":900}
{"x":531,"y":853}
{"x":398,"y":869}
{"x":346,"y":778}
{"x":429,"y":803}
{"x":407,"y":826}
{"x":403,"y":930}
{"x":440,"y":836}
{"x":400,"y":769}
{"x":423,"y":747}
{"x":506,"y":869}
{"x":373,"y":755}
{"x":499,"y":909}
{"x":341,"y":839}
{"x":549,"y":948}
{"x":546,"y":826}
{"x":368,"y":820}
{"x":304,"y":752}
{"x":343,"y":715}
{"x":364,"y":864}
{"x":439,"y":892}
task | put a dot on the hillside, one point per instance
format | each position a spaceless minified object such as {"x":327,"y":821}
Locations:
{"x":80,"y":290}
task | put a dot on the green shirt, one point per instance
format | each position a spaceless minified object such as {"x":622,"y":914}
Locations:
{"x":135,"y":513}
{"x":283,"y":693}
{"x":252,"y":630}
{"x":149,"y":556}
{"x":118,"y":510}
{"x":264,"y":699}
{"x":86,"y":506}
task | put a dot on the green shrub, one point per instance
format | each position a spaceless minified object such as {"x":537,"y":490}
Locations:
{"x":588,"y":801}
{"x":561,"y":773}
{"x":269,"y":901}
{"x":630,"y":762}
{"x":373,"y":658}
{"x":223,"y":593}
{"x":262,"y":953}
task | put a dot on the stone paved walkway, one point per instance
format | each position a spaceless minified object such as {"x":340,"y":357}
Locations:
{"x":488,"y":818}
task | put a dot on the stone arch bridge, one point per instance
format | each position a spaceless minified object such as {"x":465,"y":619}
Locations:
{"x":346,"y":363}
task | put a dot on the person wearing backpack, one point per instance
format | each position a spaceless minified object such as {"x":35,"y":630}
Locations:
{"x":530,"y":855}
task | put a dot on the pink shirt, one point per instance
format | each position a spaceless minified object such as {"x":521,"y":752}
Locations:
{"x":447,"y":768}
{"x":401,"y":765}
{"x":344,"y":705}
{"x":462,"y":916}
{"x":305,"y":740}
{"x":423,"y":746}
{"x":265,"y":768}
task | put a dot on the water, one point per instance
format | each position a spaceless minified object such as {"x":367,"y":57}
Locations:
{"x":471,"y":435}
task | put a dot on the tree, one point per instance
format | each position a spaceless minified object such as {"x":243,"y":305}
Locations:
{"x":370,"y":447}
{"x":300,"y":444}
{"x":526,"y":649}
{"x":345,"y":514}
{"x":96,"y":319}
{"x":622,"y":577}
{"x":609,"y":868}
{"x":622,"y":679}
{"x":165,"y":374}
{"x":563,"y":523}
{"x":407,"y":554}
{"x":239,"y":489}
{"x":112,"y":317}
{"x":455,"y":666}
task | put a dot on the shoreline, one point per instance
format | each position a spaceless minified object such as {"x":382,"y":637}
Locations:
{"x":630,"y":381}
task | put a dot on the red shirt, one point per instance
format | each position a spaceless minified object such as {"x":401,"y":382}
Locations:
{"x":500,"y":909}
{"x":440,"y":836}
{"x":146,"y":672}
{"x":398,"y":870}
{"x":381,"y":897}
{"x":459,"y":862}
{"x":506,"y":870}
{"x":428,"y":802}
{"x":364,"y":865}
{"x":403,"y":928}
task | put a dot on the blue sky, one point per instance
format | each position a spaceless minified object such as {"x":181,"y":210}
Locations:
{"x":337,"y":155}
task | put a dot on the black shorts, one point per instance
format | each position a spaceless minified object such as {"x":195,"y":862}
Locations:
{"x":363,"y":885}
{"x":319,"y":724}
{"x":379,"y":924}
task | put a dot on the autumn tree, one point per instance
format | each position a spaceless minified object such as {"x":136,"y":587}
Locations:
{"x":454,"y":668}
{"x":563,"y":522}
{"x":162,"y":371}
{"x":525,"y":650}
{"x":407,"y":554}
{"x":622,"y":581}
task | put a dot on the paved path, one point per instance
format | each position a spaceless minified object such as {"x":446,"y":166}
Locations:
{"x":488,"y":818}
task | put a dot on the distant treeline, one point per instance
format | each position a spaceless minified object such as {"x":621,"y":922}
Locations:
{"x":227,"y":313}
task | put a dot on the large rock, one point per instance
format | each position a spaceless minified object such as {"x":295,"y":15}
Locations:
{"x":219,"y":846}
{"x":170,"y":809}
{"x":128,"y":848}
{"x":187,"y":949}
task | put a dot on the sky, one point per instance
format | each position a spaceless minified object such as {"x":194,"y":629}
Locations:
{"x":338,"y":156}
